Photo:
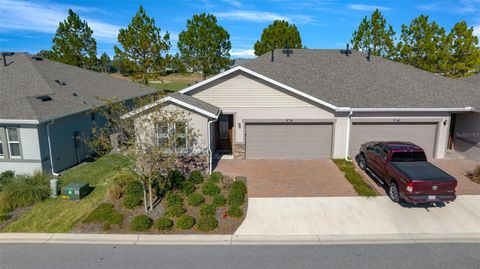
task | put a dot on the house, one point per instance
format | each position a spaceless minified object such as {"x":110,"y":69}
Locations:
{"x":312,"y":103}
{"x":45,"y":106}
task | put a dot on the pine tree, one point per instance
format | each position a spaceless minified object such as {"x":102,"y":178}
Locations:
{"x":279,"y":34}
{"x":465,"y":53}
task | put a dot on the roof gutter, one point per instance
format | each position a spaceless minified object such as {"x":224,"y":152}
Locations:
{"x":8,"y":121}
{"x":50,"y":148}
{"x":462,"y":109}
{"x":209,"y":137}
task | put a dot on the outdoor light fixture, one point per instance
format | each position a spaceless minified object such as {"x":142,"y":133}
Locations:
{"x":444,"y":122}
{"x":239,"y":125}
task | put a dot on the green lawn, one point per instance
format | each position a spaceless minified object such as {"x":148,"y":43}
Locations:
{"x":171,"y":86}
{"x":57,"y":215}
{"x":351,"y":174}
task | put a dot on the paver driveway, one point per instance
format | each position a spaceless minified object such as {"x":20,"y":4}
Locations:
{"x":289,"y":178}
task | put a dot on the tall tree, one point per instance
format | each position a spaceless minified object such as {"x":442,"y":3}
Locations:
{"x":73,"y":43}
{"x":104,"y":61}
{"x":278,"y":35}
{"x":205,"y":45}
{"x":374,"y":33}
{"x":143,"y":46}
{"x":422,"y":44}
{"x":465,"y":53}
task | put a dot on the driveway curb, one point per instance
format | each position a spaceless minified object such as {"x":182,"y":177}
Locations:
{"x":325,"y":239}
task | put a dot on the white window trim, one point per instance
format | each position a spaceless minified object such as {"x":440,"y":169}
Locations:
{"x":172,"y":127}
{"x":9,"y":142}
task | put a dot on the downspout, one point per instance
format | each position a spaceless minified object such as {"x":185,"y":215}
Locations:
{"x":347,"y":143}
{"x":50,"y":148}
{"x":210,"y":153}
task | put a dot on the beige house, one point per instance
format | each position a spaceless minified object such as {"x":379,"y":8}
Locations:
{"x":313,"y":104}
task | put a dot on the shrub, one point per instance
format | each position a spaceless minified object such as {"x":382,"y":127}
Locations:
{"x":124,"y":178}
{"x":210,"y":188}
{"x":175,"y":178}
{"x":196,"y":177}
{"x":173,"y":199}
{"x":196,"y":199}
{"x":474,"y":175}
{"x":236,"y":197}
{"x":115,"y":192}
{"x":235,"y":211}
{"x":131,"y":201}
{"x":239,"y":185}
{"x":188,"y":187}
{"x":219,"y":200}
{"x":6,"y":176}
{"x":164,"y":224}
{"x":175,"y":211}
{"x":141,"y":223}
{"x":134,"y":188}
{"x":105,"y":213}
{"x":25,"y":190}
{"x":4,"y":217}
{"x":207,"y":223}
{"x":185,"y":222}
{"x":208,"y":209}
{"x":215,"y":177}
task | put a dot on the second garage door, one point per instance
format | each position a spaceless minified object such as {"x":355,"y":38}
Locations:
{"x":288,"y":140}
{"x":422,"y":134}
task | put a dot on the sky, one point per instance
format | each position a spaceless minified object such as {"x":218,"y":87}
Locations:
{"x":30,"y":25}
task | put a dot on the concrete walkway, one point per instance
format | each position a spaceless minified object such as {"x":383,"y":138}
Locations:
{"x":356,"y":216}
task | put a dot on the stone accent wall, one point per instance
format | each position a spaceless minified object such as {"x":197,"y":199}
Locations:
{"x":239,"y":151}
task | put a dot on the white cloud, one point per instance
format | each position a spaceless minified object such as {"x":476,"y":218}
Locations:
{"x":233,"y":3}
{"x":362,"y":7}
{"x":44,"y":18}
{"x":247,"y":53}
{"x":456,"y":7}
{"x":476,"y":30}
{"x":261,"y":16}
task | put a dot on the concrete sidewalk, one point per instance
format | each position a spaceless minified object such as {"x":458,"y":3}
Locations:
{"x":357,"y":216}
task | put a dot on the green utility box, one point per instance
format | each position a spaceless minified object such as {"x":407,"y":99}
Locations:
{"x":75,"y":191}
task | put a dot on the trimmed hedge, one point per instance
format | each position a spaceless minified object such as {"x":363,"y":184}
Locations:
{"x":173,"y":199}
{"x":210,"y":188}
{"x":175,"y":211}
{"x":195,"y":199}
{"x":236,"y":197}
{"x":134,"y":188}
{"x":164,"y":224}
{"x":188,"y":187}
{"x":235,"y":211}
{"x":131,"y":201}
{"x":141,"y":223}
{"x":208,"y":209}
{"x":239,"y":185}
{"x":215,"y":177}
{"x":219,"y":200}
{"x":196,"y":177}
{"x":207,"y":223}
{"x":185,"y":222}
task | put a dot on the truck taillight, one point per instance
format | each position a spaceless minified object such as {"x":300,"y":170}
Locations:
{"x":409,"y":187}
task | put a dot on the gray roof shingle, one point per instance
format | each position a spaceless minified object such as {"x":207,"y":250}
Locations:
{"x":196,"y":102}
{"x":357,"y":83}
{"x":24,"y":79}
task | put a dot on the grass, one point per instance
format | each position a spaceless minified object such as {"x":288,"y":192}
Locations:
{"x":351,"y":174}
{"x":56,"y":215}
{"x":171,"y":86}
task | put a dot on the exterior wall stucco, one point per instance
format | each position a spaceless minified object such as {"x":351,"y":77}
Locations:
{"x":30,"y":150}
{"x":467,"y":135}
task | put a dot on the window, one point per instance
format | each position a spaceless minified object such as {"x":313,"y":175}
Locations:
{"x":162,"y":134}
{"x":181,"y":134}
{"x":13,"y":143}
{"x":1,"y":149}
{"x":380,"y":151}
{"x":165,"y":131}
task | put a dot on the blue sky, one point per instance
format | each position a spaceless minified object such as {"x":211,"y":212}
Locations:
{"x":30,"y":25}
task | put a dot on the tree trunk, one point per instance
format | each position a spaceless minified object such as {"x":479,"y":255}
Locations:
{"x":145,"y":197}
{"x":150,"y":194}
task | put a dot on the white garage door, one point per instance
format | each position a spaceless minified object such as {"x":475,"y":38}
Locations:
{"x":422,"y":134}
{"x":288,"y":140}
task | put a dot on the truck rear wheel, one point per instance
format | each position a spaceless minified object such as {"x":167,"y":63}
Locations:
{"x":393,"y":192}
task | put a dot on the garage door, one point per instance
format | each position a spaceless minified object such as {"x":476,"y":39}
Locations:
{"x":288,"y":140}
{"x":422,"y":134}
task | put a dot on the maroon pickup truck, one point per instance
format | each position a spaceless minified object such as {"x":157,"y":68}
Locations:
{"x":403,"y":166}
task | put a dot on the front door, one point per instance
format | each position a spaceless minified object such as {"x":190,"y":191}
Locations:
{"x":225,"y":132}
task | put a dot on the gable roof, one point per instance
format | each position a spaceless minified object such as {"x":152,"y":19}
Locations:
{"x":355,"y":82}
{"x":71,"y":89}
{"x":474,"y":80}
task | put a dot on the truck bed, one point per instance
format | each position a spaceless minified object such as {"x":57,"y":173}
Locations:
{"x":424,"y":171}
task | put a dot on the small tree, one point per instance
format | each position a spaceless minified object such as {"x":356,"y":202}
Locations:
{"x":278,"y":35}
{"x":73,"y":43}
{"x":465,"y":53}
{"x":104,"y":62}
{"x":374,"y":33}
{"x":205,"y":45}
{"x":143,"y":46}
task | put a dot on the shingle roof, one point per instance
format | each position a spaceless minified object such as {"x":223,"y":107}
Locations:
{"x":357,"y":83}
{"x":473,"y":80}
{"x":196,"y":102}
{"x":24,"y":79}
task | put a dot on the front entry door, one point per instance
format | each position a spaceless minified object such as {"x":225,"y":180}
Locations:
{"x":225,"y":132}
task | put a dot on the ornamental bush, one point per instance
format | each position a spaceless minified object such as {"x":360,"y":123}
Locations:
{"x":208,"y":209}
{"x":215,"y":177}
{"x":175,"y":211}
{"x":207,"y":223}
{"x":196,"y":177}
{"x":219,"y":200}
{"x":235,"y":211}
{"x":210,"y":188}
{"x":131,"y":201}
{"x":105,"y":213}
{"x":164,"y":224}
{"x":195,"y":199}
{"x":173,"y":199}
{"x":175,"y":178}
{"x":141,"y":223}
{"x":24,"y":190}
{"x":239,"y":185}
{"x":134,"y":188}
{"x":236,"y":197}
{"x":185,"y":222}
{"x":188,"y":187}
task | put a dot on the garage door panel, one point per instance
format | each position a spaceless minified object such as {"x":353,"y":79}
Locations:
{"x":288,"y":141}
{"x":422,"y":134}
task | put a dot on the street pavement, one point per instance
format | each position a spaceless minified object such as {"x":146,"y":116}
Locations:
{"x":422,"y":256}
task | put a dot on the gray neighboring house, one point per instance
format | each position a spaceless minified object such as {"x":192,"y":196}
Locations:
{"x":45,"y":105}
{"x":316,"y":103}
